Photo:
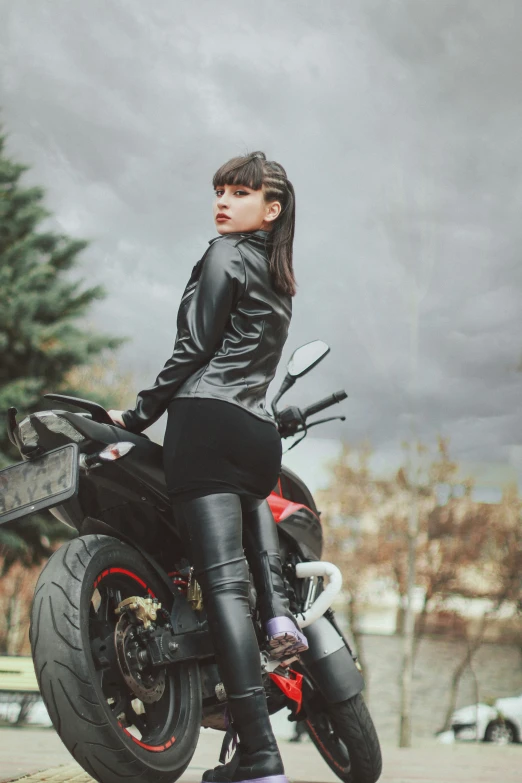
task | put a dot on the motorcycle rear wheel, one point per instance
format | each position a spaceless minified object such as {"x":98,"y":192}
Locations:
{"x":111,"y":733}
{"x":345,"y":737}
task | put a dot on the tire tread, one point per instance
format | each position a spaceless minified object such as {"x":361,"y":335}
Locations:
{"x":64,"y":677}
{"x":354,"y":726}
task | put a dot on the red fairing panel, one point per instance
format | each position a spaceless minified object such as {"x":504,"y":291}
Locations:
{"x":282,"y":508}
{"x":291,"y":687}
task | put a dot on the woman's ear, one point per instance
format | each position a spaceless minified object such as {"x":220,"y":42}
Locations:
{"x":273,"y":210}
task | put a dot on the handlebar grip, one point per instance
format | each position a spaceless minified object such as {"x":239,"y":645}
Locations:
{"x":322,"y":404}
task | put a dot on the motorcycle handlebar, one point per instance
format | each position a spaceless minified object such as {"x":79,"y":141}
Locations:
{"x":325,"y":403}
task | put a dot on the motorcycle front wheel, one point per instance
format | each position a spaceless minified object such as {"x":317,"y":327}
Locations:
{"x":118,"y":718}
{"x":345,"y":736}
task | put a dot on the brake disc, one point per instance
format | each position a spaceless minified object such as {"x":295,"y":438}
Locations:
{"x":147,"y":683}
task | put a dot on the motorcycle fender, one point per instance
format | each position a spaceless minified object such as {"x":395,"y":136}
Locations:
{"x":329,"y":662}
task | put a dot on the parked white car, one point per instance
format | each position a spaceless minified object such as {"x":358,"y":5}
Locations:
{"x":500,"y":723}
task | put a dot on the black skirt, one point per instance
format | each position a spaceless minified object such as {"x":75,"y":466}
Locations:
{"x":215,"y":446}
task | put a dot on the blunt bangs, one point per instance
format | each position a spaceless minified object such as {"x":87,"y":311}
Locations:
{"x":239,"y":171}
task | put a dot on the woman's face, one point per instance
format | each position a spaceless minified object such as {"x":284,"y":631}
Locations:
{"x":238,"y":208}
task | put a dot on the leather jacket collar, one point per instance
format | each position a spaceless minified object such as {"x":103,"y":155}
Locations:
{"x":259,"y":237}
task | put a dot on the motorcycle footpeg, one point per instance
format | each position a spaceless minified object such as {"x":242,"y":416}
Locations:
{"x":284,"y":663}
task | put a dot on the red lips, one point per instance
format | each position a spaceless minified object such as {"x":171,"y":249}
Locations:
{"x":222,"y":216}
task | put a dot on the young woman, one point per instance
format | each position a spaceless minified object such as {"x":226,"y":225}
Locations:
{"x":222,"y":450}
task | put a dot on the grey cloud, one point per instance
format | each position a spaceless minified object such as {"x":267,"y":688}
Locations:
{"x":398,"y":124}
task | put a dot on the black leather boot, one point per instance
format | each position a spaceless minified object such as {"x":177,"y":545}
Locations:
{"x":257,"y":756}
{"x":225,"y":772}
{"x":262,"y":549}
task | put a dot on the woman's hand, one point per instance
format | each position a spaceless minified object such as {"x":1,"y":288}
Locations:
{"x":116,"y":417}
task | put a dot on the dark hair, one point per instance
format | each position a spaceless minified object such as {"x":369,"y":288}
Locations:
{"x":256,"y":172}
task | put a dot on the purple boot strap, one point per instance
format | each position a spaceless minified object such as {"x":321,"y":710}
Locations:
{"x":268,"y":779}
{"x":285,"y":637}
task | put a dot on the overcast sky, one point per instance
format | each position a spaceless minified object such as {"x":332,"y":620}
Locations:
{"x":399,"y":124}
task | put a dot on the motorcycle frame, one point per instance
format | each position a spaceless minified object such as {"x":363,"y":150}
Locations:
{"x":298,"y":521}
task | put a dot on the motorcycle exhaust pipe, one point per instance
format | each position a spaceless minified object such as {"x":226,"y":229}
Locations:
{"x":328,"y":660}
{"x":327,"y":597}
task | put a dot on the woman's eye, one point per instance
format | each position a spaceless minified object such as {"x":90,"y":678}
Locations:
{"x":243,"y":192}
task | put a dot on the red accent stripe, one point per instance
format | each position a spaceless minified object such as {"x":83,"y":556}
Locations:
{"x":100,"y":577}
{"x":178,"y":578}
{"x":127,"y":573}
{"x":326,"y":752}
{"x":153,"y":748}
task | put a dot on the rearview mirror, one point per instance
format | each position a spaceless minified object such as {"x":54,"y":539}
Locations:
{"x":306,"y":357}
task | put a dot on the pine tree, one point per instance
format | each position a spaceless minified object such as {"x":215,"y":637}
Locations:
{"x":42,"y":342}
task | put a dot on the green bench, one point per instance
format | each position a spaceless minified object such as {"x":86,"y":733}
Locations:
{"x":18,"y":683}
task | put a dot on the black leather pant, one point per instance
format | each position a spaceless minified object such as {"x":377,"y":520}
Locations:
{"x":212,"y":527}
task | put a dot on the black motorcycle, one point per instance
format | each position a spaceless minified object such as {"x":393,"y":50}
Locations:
{"x":119,"y":634}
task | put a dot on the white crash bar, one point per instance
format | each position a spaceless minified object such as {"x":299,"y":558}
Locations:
{"x":326,"y":598}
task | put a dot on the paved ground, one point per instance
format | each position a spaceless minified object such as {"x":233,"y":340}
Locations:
{"x":40,"y":755}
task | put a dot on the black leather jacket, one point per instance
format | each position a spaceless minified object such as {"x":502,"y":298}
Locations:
{"x":232,"y":327}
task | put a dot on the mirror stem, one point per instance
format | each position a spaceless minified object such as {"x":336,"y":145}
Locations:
{"x":287,"y":384}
